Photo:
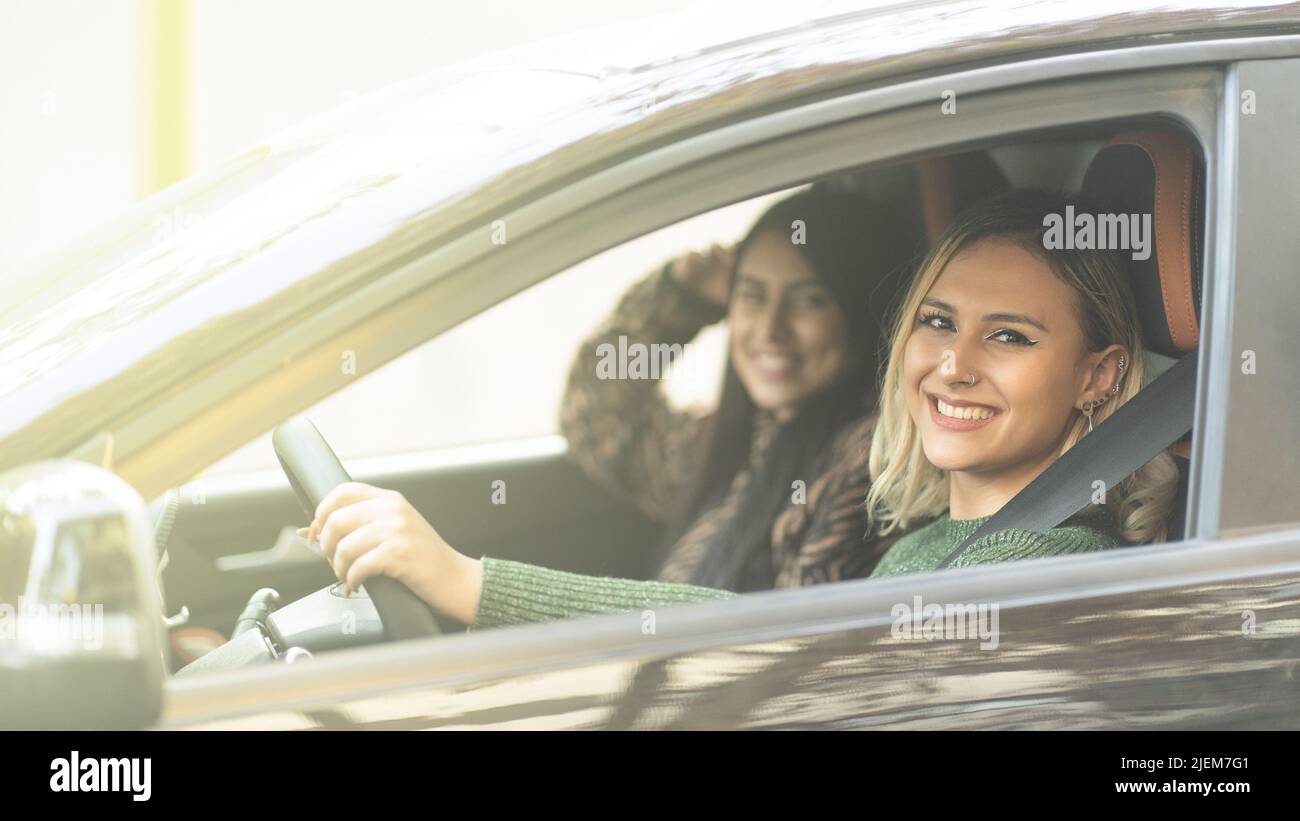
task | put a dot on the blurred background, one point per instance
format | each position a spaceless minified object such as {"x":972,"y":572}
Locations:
{"x":104,"y":102}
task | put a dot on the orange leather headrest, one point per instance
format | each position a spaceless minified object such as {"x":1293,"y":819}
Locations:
{"x":1158,"y":174}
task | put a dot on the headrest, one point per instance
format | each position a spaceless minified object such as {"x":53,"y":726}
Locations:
{"x":1151,"y":172}
{"x":928,"y":193}
{"x":948,"y":184}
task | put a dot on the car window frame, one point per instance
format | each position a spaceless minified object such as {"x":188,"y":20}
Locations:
{"x":1026,"y":98}
{"x":411,"y":288}
{"x":1250,"y":493}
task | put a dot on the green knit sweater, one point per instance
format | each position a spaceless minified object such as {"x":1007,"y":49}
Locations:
{"x":925,"y":549}
{"x":517,"y":593}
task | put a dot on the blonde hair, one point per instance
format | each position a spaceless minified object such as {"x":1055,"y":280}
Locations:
{"x":906,"y":489}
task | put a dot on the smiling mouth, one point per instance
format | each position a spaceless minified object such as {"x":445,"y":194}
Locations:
{"x":775,"y":366}
{"x":960,"y":418}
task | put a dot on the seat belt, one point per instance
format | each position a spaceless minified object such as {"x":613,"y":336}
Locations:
{"x":1156,"y":417}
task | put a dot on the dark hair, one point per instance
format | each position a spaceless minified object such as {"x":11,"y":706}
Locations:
{"x":860,"y":253}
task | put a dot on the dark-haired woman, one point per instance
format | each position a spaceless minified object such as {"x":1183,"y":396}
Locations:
{"x":766,"y":491}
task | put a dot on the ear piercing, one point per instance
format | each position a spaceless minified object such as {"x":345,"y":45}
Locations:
{"x":1088,"y":408}
{"x":1122,"y":364}
{"x":1091,"y":405}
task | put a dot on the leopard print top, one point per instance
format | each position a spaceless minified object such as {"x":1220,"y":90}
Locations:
{"x":626,"y":437}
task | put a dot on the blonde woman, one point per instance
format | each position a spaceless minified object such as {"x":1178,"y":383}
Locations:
{"x":1003,"y":355}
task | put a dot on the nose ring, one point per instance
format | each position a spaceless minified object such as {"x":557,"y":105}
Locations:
{"x":971,"y":381}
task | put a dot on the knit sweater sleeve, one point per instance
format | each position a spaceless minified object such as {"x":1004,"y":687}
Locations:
{"x":1014,"y":544}
{"x":518,"y":593}
{"x":622,"y":432}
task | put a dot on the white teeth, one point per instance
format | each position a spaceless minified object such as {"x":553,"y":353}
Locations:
{"x":962,"y":413}
{"x":771,"y":360}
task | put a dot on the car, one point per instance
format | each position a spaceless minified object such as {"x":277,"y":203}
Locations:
{"x":404,"y":215}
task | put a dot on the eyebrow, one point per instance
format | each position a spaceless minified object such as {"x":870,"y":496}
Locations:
{"x":1023,"y":319}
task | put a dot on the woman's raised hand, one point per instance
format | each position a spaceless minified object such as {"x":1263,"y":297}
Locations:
{"x":367,"y":531}
{"x":707,"y":274}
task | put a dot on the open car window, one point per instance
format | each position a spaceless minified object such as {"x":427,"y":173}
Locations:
{"x":498,"y":376}
{"x":556,"y":517}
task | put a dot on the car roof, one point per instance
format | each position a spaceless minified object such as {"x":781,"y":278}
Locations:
{"x":207,"y":265}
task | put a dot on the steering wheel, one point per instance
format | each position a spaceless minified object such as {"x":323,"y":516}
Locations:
{"x":313,"y":471}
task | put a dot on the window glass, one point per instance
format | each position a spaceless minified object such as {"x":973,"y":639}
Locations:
{"x":500,"y":375}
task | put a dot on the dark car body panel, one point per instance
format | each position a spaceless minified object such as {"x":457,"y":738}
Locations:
{"x":1201,"y":648}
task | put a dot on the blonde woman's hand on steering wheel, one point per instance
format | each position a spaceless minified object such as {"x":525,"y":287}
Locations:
{"x":367,"y":531}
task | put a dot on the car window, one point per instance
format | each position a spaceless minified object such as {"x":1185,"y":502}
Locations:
{"x":500,"y":375}
{"x":497,"y":376}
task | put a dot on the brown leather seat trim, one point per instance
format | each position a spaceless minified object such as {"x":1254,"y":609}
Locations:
{"x":1174,"y":171}
{"x":935,"y":178}
{"x":1173,"y":215}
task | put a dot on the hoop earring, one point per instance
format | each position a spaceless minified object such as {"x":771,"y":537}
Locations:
{"x":1088,"y":408}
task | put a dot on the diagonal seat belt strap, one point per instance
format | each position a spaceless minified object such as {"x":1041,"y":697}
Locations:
{"x":1156,"y":417}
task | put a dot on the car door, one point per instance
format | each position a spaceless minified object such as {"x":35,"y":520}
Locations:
{"x":1201,"y":633}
